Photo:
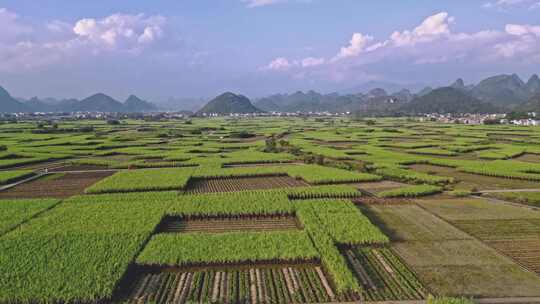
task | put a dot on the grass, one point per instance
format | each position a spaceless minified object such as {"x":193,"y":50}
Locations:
{"x":7,"y":177}
{"x":15,"y":212}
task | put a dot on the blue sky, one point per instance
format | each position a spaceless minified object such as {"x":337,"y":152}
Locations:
{"x":158,"y":49}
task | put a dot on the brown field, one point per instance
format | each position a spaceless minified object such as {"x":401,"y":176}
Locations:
{"x":221,"y":225}
{"x":412,"y":223}
{"x":467,"y":268}
{"x":475,"y":209}
{"x":528,"y":157}
{"x":276,"y":284}
{"x":77,"y":168}
{"x":376,"y":187}
{"x":475,"y":181}
{"x":242,"y":184}
{"x":501,"y":229}
{"x":526,"y":252}
{"x":61,"y":185}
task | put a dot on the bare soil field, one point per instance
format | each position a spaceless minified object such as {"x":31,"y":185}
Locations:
{"x":242,"y":184}
{"x":221,"y":225}
{"x":475,"y":181}
{"x":61,"y":185}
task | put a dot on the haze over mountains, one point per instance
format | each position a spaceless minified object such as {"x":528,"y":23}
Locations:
{"x":495,"y":94}
{"x":95,"y":103}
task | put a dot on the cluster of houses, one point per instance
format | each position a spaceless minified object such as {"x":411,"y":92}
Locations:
{"x":479,"y":119}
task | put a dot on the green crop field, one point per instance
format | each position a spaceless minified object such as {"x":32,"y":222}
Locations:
{"x":279,"y":210}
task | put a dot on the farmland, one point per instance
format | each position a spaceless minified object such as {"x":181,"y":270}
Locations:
{"x":306,"y":210}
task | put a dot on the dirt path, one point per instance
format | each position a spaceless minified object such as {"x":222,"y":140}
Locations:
{"x":29,"y":179}
{"x":509,"y":190}
{"x":500,"y":201}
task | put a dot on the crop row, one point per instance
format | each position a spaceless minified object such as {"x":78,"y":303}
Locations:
{"x":383,"y":276}
{"x":255,"y":285}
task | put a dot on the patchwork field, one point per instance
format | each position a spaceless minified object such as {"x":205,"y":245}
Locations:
{"x":60,"y":185}
{"x":242,"y":184}
{"x":267,"y":210}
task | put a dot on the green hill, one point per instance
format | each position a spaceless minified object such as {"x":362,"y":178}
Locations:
{"x":9,"y":104}
{"x":447,"y":100}
{"x":229,"y":103}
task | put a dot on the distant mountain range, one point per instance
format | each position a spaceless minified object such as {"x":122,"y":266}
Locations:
{"x":228,"y":103}
{"x":495,"y":94}
{"x":95,"y":103}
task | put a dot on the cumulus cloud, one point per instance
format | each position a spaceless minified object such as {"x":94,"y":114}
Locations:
{"x":356,"y":46}
{"x":431,"y":29}
{"x":30,"y":46}
{"x":118,"y":30}
{"x":279,"y":64}
{"x":432,"y":42}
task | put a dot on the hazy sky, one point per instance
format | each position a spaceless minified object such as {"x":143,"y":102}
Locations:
{"x":156,"y":49}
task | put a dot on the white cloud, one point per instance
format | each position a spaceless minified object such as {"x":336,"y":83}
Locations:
{"x":431,"y":43}
{"x":356,"y":46}
{"x":312,"y":62}
{"x":257,"y":3}
{"x":520,"y":30}
{"x":32,"y":46}
{"x":506,"y":4}
{"x":260,"y":3}
{"x":432,"y":28}
{"x":118,"y":30}
{"x":279,"y":64}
